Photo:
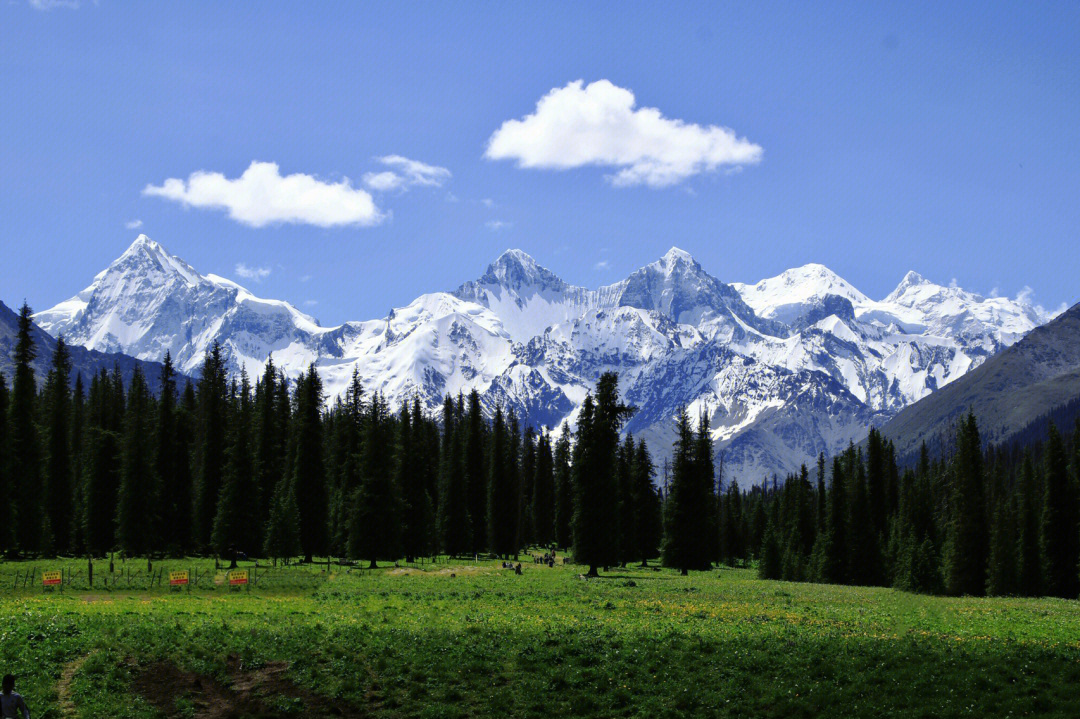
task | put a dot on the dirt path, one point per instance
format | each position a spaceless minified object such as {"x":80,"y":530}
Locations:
{"x":63,"y":686}
{"x":249,"y":694}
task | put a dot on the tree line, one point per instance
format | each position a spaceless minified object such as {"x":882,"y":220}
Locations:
{"x":224,"y":465}
{"x":1002,"y":520}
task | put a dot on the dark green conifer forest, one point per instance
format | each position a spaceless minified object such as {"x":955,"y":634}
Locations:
{"x":227,"y":466}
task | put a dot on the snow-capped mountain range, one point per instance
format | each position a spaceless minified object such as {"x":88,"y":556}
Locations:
{"x":785,"y":368}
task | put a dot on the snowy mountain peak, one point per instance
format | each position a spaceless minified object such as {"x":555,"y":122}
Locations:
{"x":789,"y":295}
{"x":911,"y":279}
{"x":675,"y":255}
{"x":515,"y":269}
{"x":807,"y":372}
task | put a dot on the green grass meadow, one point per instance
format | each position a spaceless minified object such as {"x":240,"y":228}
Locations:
{"x":457,"y":639}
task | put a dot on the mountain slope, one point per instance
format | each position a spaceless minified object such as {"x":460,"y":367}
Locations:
{"x":1006,"y":393}
{"x":83,"y":361}
{"x":783,"y":369}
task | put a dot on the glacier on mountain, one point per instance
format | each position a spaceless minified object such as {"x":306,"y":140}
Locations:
{"x":785,"y":368}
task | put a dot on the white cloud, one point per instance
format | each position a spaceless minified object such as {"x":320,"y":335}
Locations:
{"x":52,"y":4}
{"x":133,"y":224}
{"x":384,"y":181}
{"x":258,"y":274}
{"x":261,"y":196}
{"x":310,"y":303}
{"x":496,"y":225}
{"x":1026,"y":296}
{"x":601,"y":265}
{"x":405,"y":173}
{"x":597,"y":124}
{"x":487,"y":202}
{"x":305,"y":278}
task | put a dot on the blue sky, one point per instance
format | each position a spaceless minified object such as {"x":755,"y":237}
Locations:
{"x":941,"y":137}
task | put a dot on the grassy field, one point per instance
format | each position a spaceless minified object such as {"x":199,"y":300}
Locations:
{"x":457,"y":640}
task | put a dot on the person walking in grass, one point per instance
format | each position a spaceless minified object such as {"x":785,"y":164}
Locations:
{"x":11,"y":703}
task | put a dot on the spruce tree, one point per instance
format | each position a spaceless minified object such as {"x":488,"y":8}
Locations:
{"x":1001,"y":575}
{"x":502,"y":499}
{"x":688,"y":539}
{"x":375,"y":518}
{"x":307,"y":469}
{"x":453,"y":522}
{"x":647,"y":522}
{"x":236,"y":520}
{"x":209,"y":444}
{"x":1029,"y":579}
{"x":101,"y":463}
{"x":593,"y":475}
{"x":58,"y":453}
{"x":564,"y":493}
{"x":416,"y":504}
{"x":135,"y":521}
{"x":173,"y":511}
{"x":7,"y":534}
{"x":282,"y":533}
{"x":966,"y":545}
{"x":1059,"y":537}
{"x":543,"y":493}
{"x":25,"y":453}
{"x":476,"y":472}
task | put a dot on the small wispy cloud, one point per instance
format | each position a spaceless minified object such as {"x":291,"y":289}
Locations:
{"x":487,"y":202}
{"x":54,"y":4}
{"x":133,"y":224}
{"x":601,"y":265}
{"x":305,"y":278}
{"x":257,"y":274}
{"x":310,"y":303}
{"x":405,"y":173}
{"x":496,"y":225}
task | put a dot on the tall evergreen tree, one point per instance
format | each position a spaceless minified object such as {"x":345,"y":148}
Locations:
{"x":476,"y":472}
{"x":543,"y":493}
{"x":101,"y":463}
{"x":595,"y":530}
{"x":25,"y":446}
{"x":966,"y":545}
{"x":135,"y":521}
{"x":59,"y":505}
{"x":688,"y":537}
{"x":1059,"y":537}
{"x":375,"y":522}
{"x":416,"y":504}
{"x":647,"y":525}
{"x":307,"y":468}
{"x":7,"y":533}
{"x":236,"y":521}
{"x":454,"y":528}
{"x":1029,"y":579}
{"x":502,"y":499}
{"x":564,"y":492}
{"x":210,"y":438}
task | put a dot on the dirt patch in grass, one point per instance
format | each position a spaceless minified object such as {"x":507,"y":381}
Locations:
{"x":63,"y":686}
{"x":250,"y":693}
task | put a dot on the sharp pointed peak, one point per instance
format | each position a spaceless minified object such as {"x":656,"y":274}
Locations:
{"x":520,"y":257}
{"x":143,"y":242}
{"x":677,"y":254}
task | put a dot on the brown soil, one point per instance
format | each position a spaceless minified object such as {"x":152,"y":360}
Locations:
{"x":249,"y":693}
